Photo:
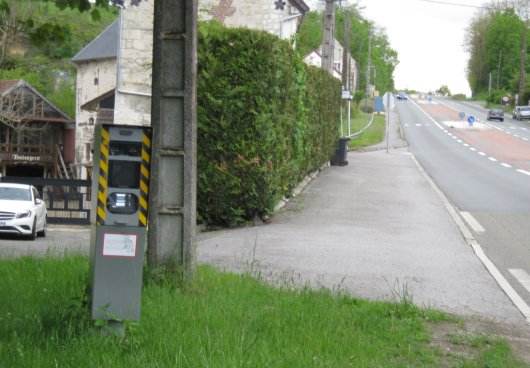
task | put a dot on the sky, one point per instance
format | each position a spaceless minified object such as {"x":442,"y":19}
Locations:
{"x":428,"y":37}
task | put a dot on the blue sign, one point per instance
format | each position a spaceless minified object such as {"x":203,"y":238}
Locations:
{"x":470,"y":120}
{"x":378,"y":104}
{"x":430,"y":99}
{"x":462,"y":115}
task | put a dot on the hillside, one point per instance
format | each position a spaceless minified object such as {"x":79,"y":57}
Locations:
{"x":38,"y":41}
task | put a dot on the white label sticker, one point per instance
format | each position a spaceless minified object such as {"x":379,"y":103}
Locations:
{"x":119,"y":245}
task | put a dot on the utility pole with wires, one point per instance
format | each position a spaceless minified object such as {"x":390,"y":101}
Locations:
{"x":327,"y":39}
{"x":345,"y":55}
{"x":368,"y":65}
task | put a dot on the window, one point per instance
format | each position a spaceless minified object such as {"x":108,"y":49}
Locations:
{"x":87,"y":151}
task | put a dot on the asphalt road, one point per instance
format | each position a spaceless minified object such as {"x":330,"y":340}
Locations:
{"x":59,"y":240}
{"x":485,"y":171}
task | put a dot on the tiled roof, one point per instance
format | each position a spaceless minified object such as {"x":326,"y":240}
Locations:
{"x":301,"y":5}
{"x":54,"y":114}
{"x":104,"y":46}
{"x":6,"y":85}
{"x":105,"y":116}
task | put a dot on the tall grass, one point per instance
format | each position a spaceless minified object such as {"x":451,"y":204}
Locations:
{"x":224,"y":320}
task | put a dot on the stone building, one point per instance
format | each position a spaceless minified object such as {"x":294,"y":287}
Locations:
{"x":279,"y":17}
{"x":114,"y":70}
{"x":96,"y":81}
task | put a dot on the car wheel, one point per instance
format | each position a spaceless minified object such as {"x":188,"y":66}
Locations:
{"x":42,"y":233}
{"x":33,"y":234}
{"x":502,"y":120}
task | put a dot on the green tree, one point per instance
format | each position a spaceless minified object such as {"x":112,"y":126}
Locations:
{"x":444,"y":90}
{"x":493,"y":41}
{"x":383,"y":59}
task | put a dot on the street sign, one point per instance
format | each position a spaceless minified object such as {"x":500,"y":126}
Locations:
{"x":461,"y":115}
{"x":470,"y":120}
{"x":346,"y":95}
{"x":379,"y":105}
{"x":388,"y":100}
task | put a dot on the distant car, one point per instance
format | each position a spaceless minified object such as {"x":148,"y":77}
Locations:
{"x":401,"y":96}
{"x":521,"y":112}
{"x":495,"y":114}
{"x":22,"y":211}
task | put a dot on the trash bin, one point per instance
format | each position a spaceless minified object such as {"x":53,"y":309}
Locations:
{"x":339,"y":159}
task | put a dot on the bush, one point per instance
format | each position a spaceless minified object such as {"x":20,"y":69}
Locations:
{"x":264,"y":120}
{"x":367,"y":105}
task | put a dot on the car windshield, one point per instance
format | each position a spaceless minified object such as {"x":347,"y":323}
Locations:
{"x":496,"y":111}
{"x":526,"y":108}
{"x":15,"y":194}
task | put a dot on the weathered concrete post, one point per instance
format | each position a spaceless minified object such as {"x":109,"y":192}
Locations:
{"x":172,"y":200}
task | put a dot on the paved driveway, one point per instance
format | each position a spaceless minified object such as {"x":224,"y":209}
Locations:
{"x":58,"y":240}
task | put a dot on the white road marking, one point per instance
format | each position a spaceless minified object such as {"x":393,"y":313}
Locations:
{"x":492,"y":159}
{"x":506,"y":165}
{"x":466,"y":145}
{"x":472,"y":148}
{"x":418,"y":124}
{"x":503,"y":283}
{"x":482,"y":153}
{"x":523,"y":172}
{"x":475,"y":225}
{"x":521,"y":276}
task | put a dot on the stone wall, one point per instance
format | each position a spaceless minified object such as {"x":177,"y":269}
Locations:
{"x":94,"y":78}
{"x":134,"y":69}
{"x":279,"y":18}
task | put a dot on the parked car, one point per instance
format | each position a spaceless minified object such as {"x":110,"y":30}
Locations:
{"x":521,"y":112}
{"x":496,"y":114}
{"x":402,"y":96}
{"x":22,"y":211}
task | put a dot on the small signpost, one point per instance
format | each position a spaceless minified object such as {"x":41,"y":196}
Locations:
{"x":470,"y":120}
{"x":346,"y":95}
{"x":388,"y":101}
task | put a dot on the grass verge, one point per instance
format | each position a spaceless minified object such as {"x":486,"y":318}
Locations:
{"x":224,"y":320}
{"x":372,"y":135}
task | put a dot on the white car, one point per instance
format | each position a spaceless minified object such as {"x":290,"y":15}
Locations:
{"x":22,"y":211}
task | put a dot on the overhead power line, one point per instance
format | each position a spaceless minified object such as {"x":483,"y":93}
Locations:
{"x":457,"y":4}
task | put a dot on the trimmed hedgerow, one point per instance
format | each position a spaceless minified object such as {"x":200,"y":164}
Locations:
{"x":264,"y":121}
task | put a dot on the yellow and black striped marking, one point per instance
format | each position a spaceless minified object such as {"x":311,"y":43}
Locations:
{"x":103,"y":175}
{"x":144,"y":177}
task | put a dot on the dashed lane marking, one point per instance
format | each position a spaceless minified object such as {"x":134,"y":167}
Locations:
{"x":521,"y":276}
{"x":475,"y":225}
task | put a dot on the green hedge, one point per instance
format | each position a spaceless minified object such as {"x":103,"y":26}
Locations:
{"x":264,"y":121}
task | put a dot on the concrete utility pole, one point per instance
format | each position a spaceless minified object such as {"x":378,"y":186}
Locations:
{"x":172,"y":197}
{"x":345,"y":55}
{"x":369,"y":64}
{"x":327,"y":39}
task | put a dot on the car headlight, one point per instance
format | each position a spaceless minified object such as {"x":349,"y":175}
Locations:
{"x":24,"y":214}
